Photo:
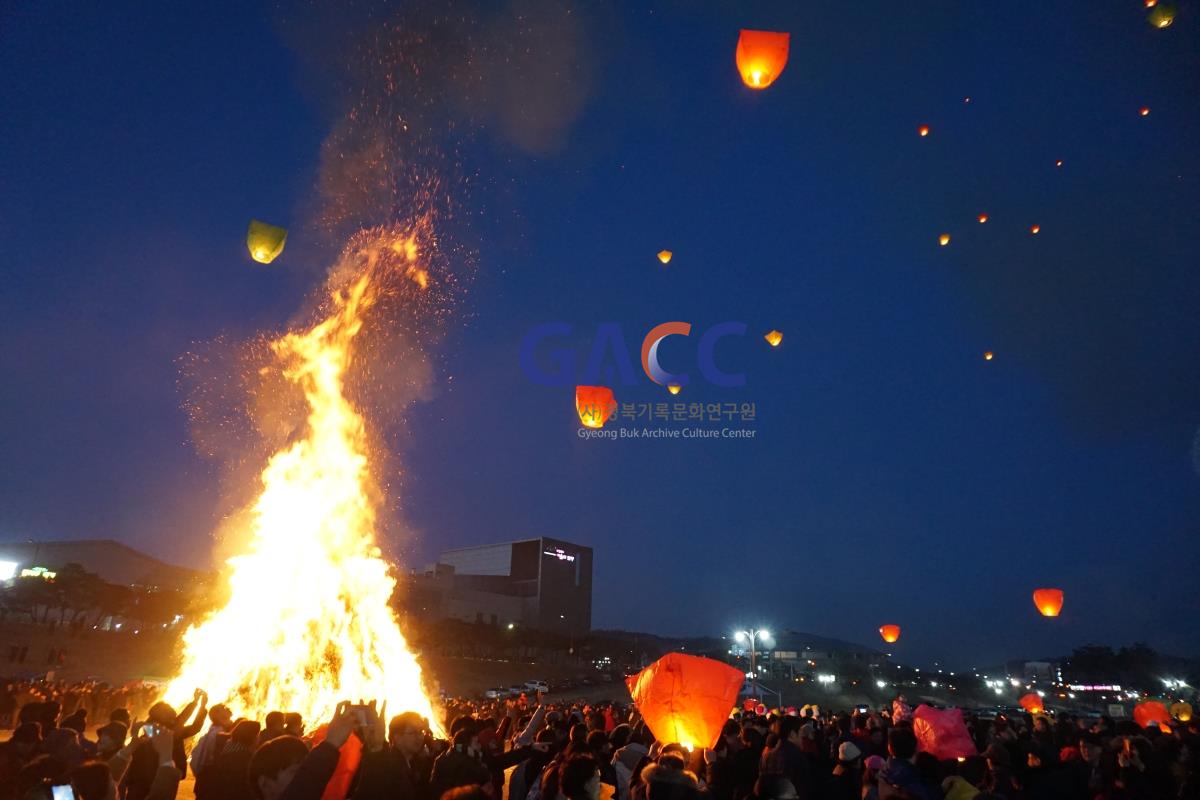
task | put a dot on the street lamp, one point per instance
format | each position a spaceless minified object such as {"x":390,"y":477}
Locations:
{"x":752,"y":636}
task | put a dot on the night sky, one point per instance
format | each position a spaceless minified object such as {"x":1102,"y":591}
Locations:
{"x":896,"y":475}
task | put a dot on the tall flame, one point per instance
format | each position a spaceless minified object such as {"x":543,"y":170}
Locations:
{"x":308,"y":621}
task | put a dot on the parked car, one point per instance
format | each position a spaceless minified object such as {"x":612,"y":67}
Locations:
{"x":497,"y":693}
{"x":537,"y":686}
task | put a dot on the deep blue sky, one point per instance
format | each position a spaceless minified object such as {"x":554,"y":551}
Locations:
{"x":895,"y":477}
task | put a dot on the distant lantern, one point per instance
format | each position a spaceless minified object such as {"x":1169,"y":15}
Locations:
{"x":1035,"y":229}
{"x":673,"y":388}
{"x":1145,"y":112}
{"x":1048,"y":601}
{"x":1151,"y":3}
{"x":1058,"y":163}
{"x":988,"y":355}
{"x":774,"y":338}
{"x":665,"y":256}
{"x":1161,"y":15}
{"x":686,"y":699}
{"x":923,"y":130}
{"x":889,"y":633}
{"x":594,"y":404}
{"x":966,"y":100}
{"x":265,"y":242}
{"x":982,"y":218}
{"x":761,"y":57}
{"x":1032,"y":703}
{"x":944,"y":239}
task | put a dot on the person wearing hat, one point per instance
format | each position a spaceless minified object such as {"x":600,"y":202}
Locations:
{"x":846,"y":783}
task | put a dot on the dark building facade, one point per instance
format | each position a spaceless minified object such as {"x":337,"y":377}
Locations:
{"x":544,"y":583}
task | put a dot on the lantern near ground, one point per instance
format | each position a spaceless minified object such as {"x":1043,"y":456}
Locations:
{"x":761,"y":57}
{"x":665,"y":256}
{"x":595,"y":404}
{"x":1152,"y":711}
{"x":1032,"y":703}
{"x":686,"y":699}
{"x":1182,"y":711}
{"x":942,"y":733}
{"x":774,"y":338}
{"x":265,"y":242}
{"x":1048,"y":601}
{"x":890,"y":633}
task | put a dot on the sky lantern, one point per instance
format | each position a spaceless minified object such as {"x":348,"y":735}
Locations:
{"x":942,"y":733}
{"x":1152,"y":711}
{"x":1035,"y":229}
{"x":595,"y":405}
{"x":944,"y":239}
{"x":988,"y":355}
{"x":1161,"y":15}
{"x":673,"y":388}
{"x":1145,"y":112}
{"x":686,"y":699}
{"x":265,"y":242}
{"x":774,"y":338}
{"x":665,"y":256}
{"x":1048,"y":601}
{"x":889,"y":632}
{"x":923,"y":131}
{"x":761,"y":57}
{"x":1032,"y":703}
{"x":1151,"y":3}
{"x":982,"y":218}
{"x":1182,"y":711}
{"x":1058,"y":163}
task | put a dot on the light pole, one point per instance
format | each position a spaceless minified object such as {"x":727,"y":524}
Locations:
{"x":752,"y":636}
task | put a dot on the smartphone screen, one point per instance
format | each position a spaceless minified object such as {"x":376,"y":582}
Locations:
{"x":64,"y":792}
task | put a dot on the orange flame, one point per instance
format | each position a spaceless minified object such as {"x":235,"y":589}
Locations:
{"x":308,"y":622}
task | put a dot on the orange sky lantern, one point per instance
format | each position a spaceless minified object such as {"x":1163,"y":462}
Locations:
{"x":595,"y":404}
{"x":1048,"y":601}
{"x":1032,"y":703}
{"x":1182,"y":711}
{"x":983,"y":218}
{"x":923,"y":131}
{"x":665,"y":256}
{"x":944,"y":239}
{"x":1153,"y":711}
{"x":890,"y":633}
{"x":674,"y":388}
{"x":1035,"y":229}
{"x":686,"y":699}
{"x":988,"y":355}
{"x":1145,"y":112}
{"x":761,"y":57}
{"x":773,"y":338}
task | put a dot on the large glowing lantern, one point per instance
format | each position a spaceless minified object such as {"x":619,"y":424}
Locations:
{"x":265,"y":242}
{"x":595,"y":405}
{"x":890,"y":633}
{"x":686,"y":699}
{"x":761,"y":57}
{"x":1182,"y":711}
{"x":1152,"y":711}
{"x":1032,"y":703}
{"x":1048,"y":601}
{"x":1161,"y":15}
{"x":942,"y":732}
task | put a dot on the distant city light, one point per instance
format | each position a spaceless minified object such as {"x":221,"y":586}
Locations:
{"x":8,"y":570}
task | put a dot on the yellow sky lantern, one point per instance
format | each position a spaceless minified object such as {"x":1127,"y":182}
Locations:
{"x":761,"y":57}
{"x":944,"y":239}
{"x":774,"y":338}
{"x":988,"y":355}
{"x":673,"y":388}
{"x":265,"y":242}
{"x":665,"y":256}
{"x":1161,"y":15}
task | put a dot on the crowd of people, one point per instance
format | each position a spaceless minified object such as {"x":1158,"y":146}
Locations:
{"x":78,"y":736}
